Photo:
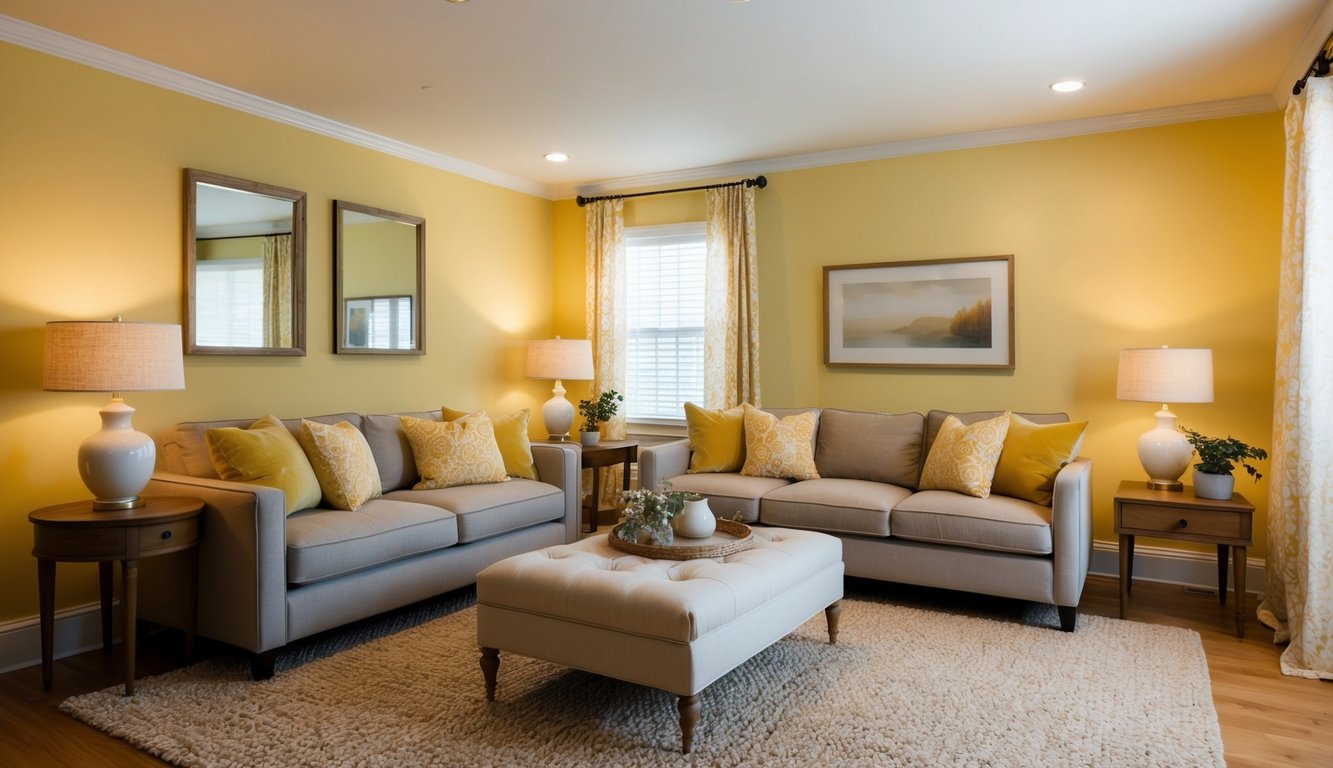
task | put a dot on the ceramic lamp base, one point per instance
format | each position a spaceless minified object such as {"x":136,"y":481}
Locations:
{"x":117,"y":462}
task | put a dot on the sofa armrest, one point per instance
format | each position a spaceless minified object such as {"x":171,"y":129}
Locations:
{"x":1071,"y":530}
{"x":242,"y":563}
{"x":558,"y":465}
{"x":663,"y":462}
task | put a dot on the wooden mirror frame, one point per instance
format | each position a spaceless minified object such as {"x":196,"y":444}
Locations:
{"x":418,"y":297}
{"x":193,"y":178}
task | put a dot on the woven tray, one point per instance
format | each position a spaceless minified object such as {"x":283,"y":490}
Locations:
{"x":731,"y":537}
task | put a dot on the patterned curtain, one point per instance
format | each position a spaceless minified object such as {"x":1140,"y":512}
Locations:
{"x":731,"y":321}
{"x":607,"y":291}
{"x":1298,"y":602}
{"x":278,"y":291}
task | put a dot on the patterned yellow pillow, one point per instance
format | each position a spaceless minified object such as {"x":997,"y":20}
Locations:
{"x":1033,"y":455}
{"x":265,"y":454}
{"x":342,"y":462}
{"x":779,"y":448}
{"x":511,"y":435}
{"x":717,"y":438}
{"x":963,"y":459}
{"x":449,"y":453}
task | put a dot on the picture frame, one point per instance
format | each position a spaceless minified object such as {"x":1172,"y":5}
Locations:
{"x":938,"y":313}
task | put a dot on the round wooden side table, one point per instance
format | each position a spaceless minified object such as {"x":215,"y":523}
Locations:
{"x":76,"y":532}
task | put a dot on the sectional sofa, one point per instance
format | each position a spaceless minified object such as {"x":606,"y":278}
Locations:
{"x":867,"y":494}
{"x":267,"y":578}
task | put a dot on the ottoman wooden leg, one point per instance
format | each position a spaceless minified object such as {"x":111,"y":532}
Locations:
{"x":490,"y":668}
{"x":689,"y":717}
{"x":831,"y":615}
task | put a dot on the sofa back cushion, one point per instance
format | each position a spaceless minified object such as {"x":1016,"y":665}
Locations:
{"x":183,"y":450}
{"x":393,"y":453}
{"x":883,"y":447}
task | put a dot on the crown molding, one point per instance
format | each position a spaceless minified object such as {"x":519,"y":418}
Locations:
{"x":1321,"y":27}
{"x":49,"y":41}
{"x":1126,"y":121}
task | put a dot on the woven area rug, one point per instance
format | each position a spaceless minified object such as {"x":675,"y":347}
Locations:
{"x":904,"y":686}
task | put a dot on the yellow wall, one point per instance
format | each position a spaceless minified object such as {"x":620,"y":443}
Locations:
{"x":1165,"y":235}
{"x":379,"y":259}
{"x":91,"y":208}
{"x":230,"y":248}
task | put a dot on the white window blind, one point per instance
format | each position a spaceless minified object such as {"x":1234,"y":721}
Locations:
{"x":665,"y":356}
{"x":229,"y":309}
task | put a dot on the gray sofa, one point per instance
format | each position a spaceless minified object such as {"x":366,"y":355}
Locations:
{"x":266,"y":579}
{"x":890,"y":531}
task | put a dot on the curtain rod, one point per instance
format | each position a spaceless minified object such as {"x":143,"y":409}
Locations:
{"x":758,"y":181}
{"x":1318,"y":68}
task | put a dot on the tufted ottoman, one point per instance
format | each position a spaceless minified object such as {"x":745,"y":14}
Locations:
{"x":669,"y":624}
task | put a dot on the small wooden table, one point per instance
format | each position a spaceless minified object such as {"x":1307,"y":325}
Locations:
{"x":1182,"y":516}
{"x":607,"y":453}
{"x":77,"y":533}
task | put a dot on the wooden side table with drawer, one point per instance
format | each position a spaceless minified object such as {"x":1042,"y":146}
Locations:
{"x":1182,"y":516}
{"x":78,"y":533}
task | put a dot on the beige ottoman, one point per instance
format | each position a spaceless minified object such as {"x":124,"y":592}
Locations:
{"x":669,"y":624}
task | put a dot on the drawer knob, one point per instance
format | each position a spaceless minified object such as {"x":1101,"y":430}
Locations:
{"x":167,"y":534}
{"x":1183,"y":523}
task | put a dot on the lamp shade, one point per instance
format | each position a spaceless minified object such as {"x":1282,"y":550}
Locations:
{"x":112,"y":356}
{"x":560,"y":359}
{"x":1165,"y":375}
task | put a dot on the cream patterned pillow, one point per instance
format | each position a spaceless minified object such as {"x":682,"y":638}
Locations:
{"x":342,"y":461}
{"x":449,"y":453}
{"x":779,"y":448}
{"x":963,"y":458}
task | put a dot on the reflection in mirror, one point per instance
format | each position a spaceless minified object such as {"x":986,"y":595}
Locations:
{"x":244,"y":266}
{"x":379,"y":263}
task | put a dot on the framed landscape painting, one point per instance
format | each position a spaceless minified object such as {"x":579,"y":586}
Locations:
{"x":944,"y":313}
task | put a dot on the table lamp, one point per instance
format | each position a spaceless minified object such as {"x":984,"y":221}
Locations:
{"x":1164,"y":376}
{"x":559,"y":359}
{"x":114,"y":356}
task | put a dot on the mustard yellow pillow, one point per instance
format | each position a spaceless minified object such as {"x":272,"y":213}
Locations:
{"x":1033,"y":454}
{"x":779,"y":448}
{"x":511,"y":436}
{"x":963,"y":459}
{"x":449,"y":453}
{"x":342,"y":461}
{"x":717,"y":438}
{"x":265,"y":454}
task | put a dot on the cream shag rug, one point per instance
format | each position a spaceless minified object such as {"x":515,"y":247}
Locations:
{"x":904,"y":686}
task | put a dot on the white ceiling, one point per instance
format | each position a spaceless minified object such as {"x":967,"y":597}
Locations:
{"x":650,"y":91}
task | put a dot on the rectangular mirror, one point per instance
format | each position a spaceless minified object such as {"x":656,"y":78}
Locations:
{"x":244,"y":267}
{"x":379,"y":269}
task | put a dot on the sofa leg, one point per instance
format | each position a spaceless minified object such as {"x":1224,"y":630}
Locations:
{"x":1068,"y":616}
{"x":261,"y":664}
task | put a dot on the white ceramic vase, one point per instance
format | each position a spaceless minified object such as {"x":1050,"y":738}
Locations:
{"x":1208,"y":486}
{"x":696,"y":520}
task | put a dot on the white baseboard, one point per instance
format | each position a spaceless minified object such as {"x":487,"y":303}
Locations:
{"x":77,"y":630}
{"x":1173,"y":566}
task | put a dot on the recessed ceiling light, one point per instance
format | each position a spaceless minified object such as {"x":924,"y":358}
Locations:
{"x":556,"y":157}
{"x":1067,"y":86}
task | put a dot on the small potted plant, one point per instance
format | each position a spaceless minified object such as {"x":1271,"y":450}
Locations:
{"x":596,"y":411}
{"x":1218,"y":456}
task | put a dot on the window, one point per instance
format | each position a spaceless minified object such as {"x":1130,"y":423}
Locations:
{"x":665,"y":319}
{"x":229,"y":304}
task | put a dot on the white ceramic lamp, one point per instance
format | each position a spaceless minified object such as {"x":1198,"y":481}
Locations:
{"x":559,"y":359}
{"x":114,"y":356}
{"x":1165,"y":375}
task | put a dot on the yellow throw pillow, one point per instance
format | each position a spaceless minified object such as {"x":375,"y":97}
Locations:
{"x":265,"y":454}
{"x":963,"y":459}
{"x":1033,"y":455}
{"x":779,"y":448}
{"x":450,"y":453}
{"x":511,"y":436}
{"x":342,"y":461}
{"x":717,"y":438}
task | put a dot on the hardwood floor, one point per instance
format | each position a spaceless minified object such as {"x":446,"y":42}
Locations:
{"x":1267,"y":718}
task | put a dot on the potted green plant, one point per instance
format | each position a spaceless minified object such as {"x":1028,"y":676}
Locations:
{"x":1218,"y":457}
{"x":596,"y":411}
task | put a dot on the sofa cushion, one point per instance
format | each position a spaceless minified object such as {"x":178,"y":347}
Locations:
{"x":963,"y":458}
{"x":324,"y":543}
{"x":999,"y":523}
{"x":511,"y":437}
{"x":729,"y":493}
{"x":935,"y":419}
{"x":717,"y":438}
{"x":393,"y":452}
{"x":342,"y":462}
{"x":265,"y":453}
{"x":1033,"y":454}
{"x":882,"y":447}
{"x":780,"y":447}
{"x":491,"y":509}
{"x":184,"y":449}
{"x":833,"y":505}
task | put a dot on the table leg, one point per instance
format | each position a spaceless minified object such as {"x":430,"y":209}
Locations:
{"x":191,"y":556}
{"x":1126,"y":578}
{"x":1222,"y":551}
{"x":46,"y":602}
{"x":129,"y":607}
{"x":595,"y":502}
{"x":1238,"y":557}
{"x":104,"y":590}
{"x":689,"y":717}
